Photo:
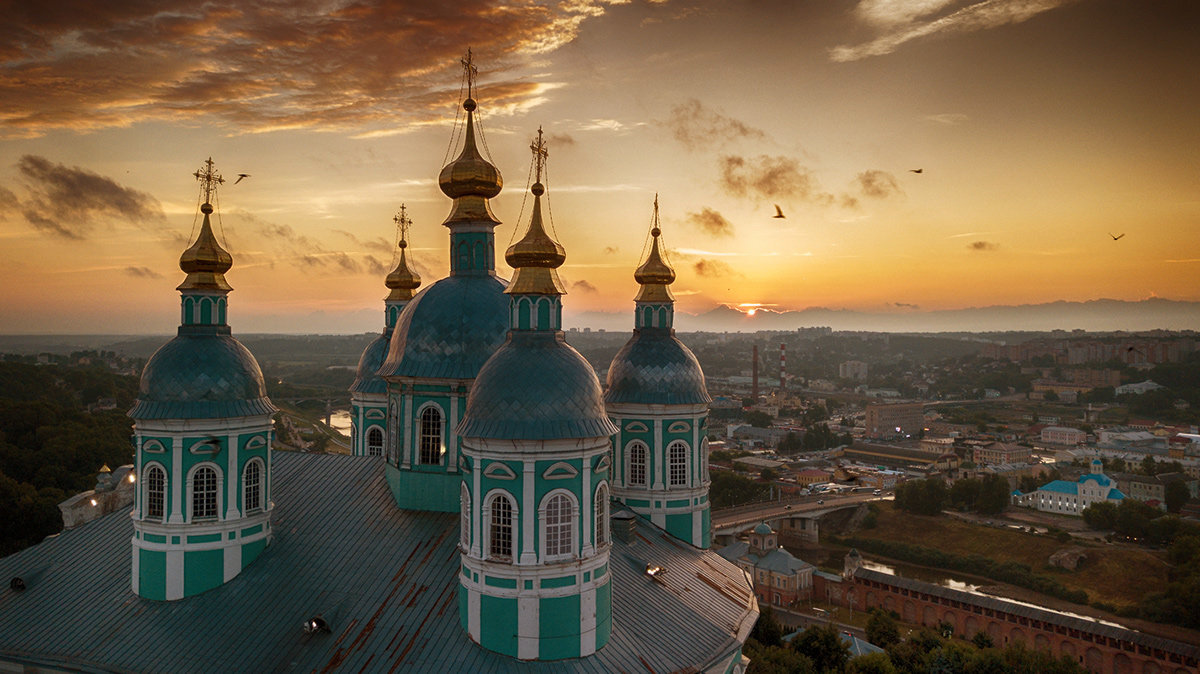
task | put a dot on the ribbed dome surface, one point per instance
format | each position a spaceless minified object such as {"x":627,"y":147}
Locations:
{"x":365,"y":378}
{"x":655,"y":368}
{"x":449,"y":330}
{"x":201,"y":374}
{"x":536,"y":387}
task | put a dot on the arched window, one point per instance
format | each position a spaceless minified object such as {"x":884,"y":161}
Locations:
{"x":204,"y":493}
{"x":677,"y":463}
{"x":375,"y":442}
{"x":156,"y":492}
{"x":500,"y":528}
{"x":431,"y":436}
{"x":558,"y":523}
{"x":601,"y":515}
{"x":252,"y":486}
{"x":636,"y":469}
{"x":464,"y":499}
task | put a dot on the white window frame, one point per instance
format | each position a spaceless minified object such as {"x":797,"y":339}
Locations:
{"x":259,"y":488}
{"x":422,"y":435}
{"x":630,"y":464}
{"x":488,"y":532}
{"x":191,"y":492}
{"x":601,"y":531}
{"x":374,"y":449}
{"x":677,"y":478}
{"x":464,"y":520}
{"x":147,"y":470}
{"x":567,"y":529}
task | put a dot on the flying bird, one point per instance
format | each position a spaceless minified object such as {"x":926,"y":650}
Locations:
{"x":920,"y":170}
{"x":778,"y":212}
{"x":240,"y":176}
{"x":1117,"y":237}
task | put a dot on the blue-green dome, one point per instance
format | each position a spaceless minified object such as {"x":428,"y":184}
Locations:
{"x":203,"y":373}
{"x":449,"y":330}
{"x":365,"y":379}
{"x":536,"y":387}
{"x":764,"y":529}
{"x":655,"y":368}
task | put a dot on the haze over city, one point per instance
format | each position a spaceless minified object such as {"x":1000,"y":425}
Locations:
{"x":927,"y":156}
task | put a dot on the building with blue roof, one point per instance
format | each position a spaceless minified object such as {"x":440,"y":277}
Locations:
{"x":368,"y":393}
{"x":1072,"y":498}
{"x":780,"y":578}
{"x":249,"y":560}
{"x":658,"y":400}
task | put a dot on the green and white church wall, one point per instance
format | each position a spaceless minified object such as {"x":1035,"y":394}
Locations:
{"x":548,"y":573}
{"x":673,"y":495}
{"x":202,"y":507}
{"x":422,"y":448}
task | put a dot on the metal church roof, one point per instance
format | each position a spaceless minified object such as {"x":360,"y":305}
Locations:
{"x":449,"y":329}
{"x":365,"y":379}
{"x":384,"y":579}
{"x":654,"y":367}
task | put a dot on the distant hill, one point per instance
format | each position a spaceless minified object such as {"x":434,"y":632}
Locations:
{"x":1101,"y":315}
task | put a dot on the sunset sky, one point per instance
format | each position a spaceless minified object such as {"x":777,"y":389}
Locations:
{"x":1042,"y":128}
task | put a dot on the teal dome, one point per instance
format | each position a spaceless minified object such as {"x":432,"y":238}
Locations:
{"x":365,"y":379}
{"x":536,"y":387}
{"x":449,"y":330}
{"x":655,"y":368}
{"x":203,"y":373}
{"x":763,"y":529}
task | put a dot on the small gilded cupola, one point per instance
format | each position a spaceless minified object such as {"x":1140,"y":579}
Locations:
{"x":402,"y":281}
{"x":205,"y":261}
{"x":655,"y":275}
{"x":535,"y":259}
{"x":471,"y":180}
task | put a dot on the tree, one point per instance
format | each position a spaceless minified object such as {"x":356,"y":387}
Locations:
{"x":982,"y":640}
{"x":758,"y":419}
{"x":1149,"y":465}
{"x":824,"y":646}
{"x":1050,"y":396}
{"x":871,"y":663}
{"x":769,"y":474}
{"x":993,"y":495}
{"x":882,"y":629}
{"x":1175,"y":495}
{"x":767,"y":631}
{"x":1101,"y":516}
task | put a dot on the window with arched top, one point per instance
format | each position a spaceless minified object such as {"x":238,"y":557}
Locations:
{"x":558,"y":526}
{"x":677,"y":463}
{"x":601,"y":530}
{"x":375,"y":441}
{"x":464,"y":523}
{"x":501,"y":513}
{"x":252,"y":486}
{"x":430,"y":441}
{"x":155,"y":480}
{"x":636,"y":464}
{"x":204,"y":493}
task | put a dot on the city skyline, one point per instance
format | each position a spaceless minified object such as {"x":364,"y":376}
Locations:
{"x":927,"y":156}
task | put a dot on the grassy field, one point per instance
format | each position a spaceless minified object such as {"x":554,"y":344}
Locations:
{"x":1112,"y":574}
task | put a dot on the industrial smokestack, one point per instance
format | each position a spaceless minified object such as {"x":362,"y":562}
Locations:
{"x":782,"y":369}
{"x":754,"y":376}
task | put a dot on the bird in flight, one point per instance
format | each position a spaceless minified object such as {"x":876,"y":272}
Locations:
{"x":1117,"y":237}
{"x":240,"y":176}
{"x":778,"y":212}
{"x":920,"y":170}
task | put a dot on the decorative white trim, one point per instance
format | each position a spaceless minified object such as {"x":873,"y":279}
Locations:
{"x":154,"y":447}
{"x":487,"y":525}
{"x":679,"y":427}
{"x":572,"y":521}
{"x":636,"y":427}
{"x":190,"y":500}
{"x":560,"y":471}
{"x":602,"y":465}
{"x":499,"y":471}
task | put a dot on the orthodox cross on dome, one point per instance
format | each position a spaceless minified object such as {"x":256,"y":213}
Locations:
{"x":209,"y":179}
{"x":402,"y":224}
{"x":540,"y":153}
{"x":654,"y":225}
{"x":471,"y":73}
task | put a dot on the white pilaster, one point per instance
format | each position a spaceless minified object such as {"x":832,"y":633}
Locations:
{"x":587,"y":513}
{"x":233,"y":561}
{"x":404,"y":426}
{"x":527,"y":627}
{"x":174,"y":574}
{"x":451,"y":437}
{"x":528,"y":515}
{"x":658,"y":452}
{"x":137,"y":568}
{"x":476,"y":510}
{"x":473,"y":611}
{"x":232,"y":497}
{"x":177,"y":478}
{"x":587,"y":621}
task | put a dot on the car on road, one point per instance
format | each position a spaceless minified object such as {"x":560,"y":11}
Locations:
{"x":820,"y":501}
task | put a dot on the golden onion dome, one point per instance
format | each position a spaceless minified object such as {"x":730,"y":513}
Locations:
{"x":536,"y":256}
{"x":470,"y":174}
{"x":654,"y":269}
{"x":205,"y":261}
{"x":402,"y":281}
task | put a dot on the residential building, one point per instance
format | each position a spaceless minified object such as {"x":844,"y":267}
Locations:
{"x":1062,"y":435}
{"x":1072,"y":498}
{"x":892,"y":421}
{"x":780,"y":579}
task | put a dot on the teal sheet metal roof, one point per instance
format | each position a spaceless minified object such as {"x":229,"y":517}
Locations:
{"x":365,"y":379}
{"x":203,"y":373}
{"x":1102,"y":479}
{"x":654,"y":367}
{"x":1115,"y":495}
{"x":449,"y":330}
{"x":1061,"y":487}
{"x":384,"y":579}
{"x":778,"y":560}
{"x":536,"y":387}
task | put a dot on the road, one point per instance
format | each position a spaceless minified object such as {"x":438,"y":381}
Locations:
{"x":758,"y":512}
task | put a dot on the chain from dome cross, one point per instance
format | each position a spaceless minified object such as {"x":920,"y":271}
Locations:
{"x":209,"y":179}
{"x":402,"y":224}
{"x":540,"y":155}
